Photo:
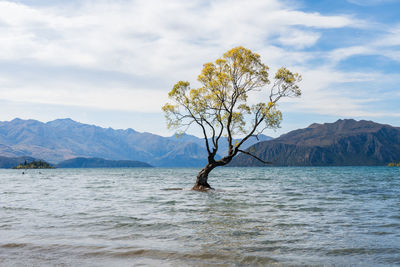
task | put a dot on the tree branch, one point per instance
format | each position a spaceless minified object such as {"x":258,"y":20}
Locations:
{"x":256,"y":124}
{"x":257,"y":158}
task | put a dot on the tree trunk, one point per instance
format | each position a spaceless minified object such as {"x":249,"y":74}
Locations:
{"x":201,"y":181}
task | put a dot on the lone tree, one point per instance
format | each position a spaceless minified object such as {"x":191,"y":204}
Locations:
{"x":220,"y":106}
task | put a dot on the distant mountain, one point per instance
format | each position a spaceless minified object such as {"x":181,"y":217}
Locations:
{"x":63,"y":139}
{"x":8,"y":163}
{"x":343,"y":143}
{"x":100,"y":163}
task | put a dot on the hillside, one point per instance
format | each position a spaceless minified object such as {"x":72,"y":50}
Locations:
{"x":8,"y":163}
{"x":343,"y":143}
{"x":100,"y":163}
{"x":64,"y":139}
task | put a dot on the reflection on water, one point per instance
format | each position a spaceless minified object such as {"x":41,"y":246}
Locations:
{"x":257,"y":216}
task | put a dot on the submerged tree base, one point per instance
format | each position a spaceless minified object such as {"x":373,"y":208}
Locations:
{"x":202,"y":188}
{"x":201,"y":181}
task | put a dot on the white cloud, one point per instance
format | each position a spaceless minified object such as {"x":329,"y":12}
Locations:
{"x":149,"y":36}
{"x":326,"y":91}
{"x":299,"y":39}
{"x":385,"y":44}
{"x":169,"y":40}
{"x":107,"y":96}
{"x":340,"y":54}
{"x":140,"y":100}
{"x":391,"y":38}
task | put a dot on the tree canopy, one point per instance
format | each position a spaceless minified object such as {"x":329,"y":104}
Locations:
{"x":220,"y":106}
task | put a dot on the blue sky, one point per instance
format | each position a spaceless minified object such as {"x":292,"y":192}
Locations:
{"x":112,"y":63}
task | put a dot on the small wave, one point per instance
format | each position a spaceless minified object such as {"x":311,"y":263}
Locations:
{"x":311,"y":209}
{"x":173,"y":189}
{"x":50,"y":247}
{"x":389,"y":225}
{"x":19,"y":209}
{"x":14,"y":245}
{"x":382,"y":233}
{"x":214,"y":190}
{"x":203,"y":257}
{"x":289,"y":225}
{"x":360,"y":191}
{"x":362,"y":251}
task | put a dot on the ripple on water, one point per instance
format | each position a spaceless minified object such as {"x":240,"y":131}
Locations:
{"x":258,"y":216}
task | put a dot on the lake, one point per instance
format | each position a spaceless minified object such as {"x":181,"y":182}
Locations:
{"x":328,"y":216}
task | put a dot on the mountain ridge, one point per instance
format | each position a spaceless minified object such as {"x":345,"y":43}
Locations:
{"x":63,"y":139}
{"x":10,"y":162}
{"x":342,"y":143}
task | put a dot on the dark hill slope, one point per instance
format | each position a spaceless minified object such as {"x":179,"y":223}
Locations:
{"x":343,"y":143}
{"x":100,"y":163}
{"x":8,"y":163}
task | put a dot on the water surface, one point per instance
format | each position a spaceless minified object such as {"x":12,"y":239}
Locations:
{"x":337,"y":216}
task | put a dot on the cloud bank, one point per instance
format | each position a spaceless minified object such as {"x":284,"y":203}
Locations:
{"x":126,"y":55}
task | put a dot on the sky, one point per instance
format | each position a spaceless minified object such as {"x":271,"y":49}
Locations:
{"x":112,"y":63}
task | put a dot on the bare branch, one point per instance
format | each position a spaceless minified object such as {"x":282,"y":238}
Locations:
{"x":254,"y":156}
{"x":256,"y":124}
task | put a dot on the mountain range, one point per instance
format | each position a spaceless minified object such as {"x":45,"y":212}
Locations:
{"x":10,"y":162}
{"x":342,"y":143}
{"x":64,"y":139}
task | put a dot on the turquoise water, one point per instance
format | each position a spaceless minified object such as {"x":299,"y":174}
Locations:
{"x":340,"y":216}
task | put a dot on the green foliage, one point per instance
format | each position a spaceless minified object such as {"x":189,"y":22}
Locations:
{"x":220,"y":105}
{"x":34,"y":165}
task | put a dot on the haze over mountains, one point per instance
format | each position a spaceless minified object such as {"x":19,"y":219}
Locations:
{"x":343,"y":143}
{"x":63,"y":139}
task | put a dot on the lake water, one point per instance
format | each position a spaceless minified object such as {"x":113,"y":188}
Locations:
{"x":340,"y":216}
